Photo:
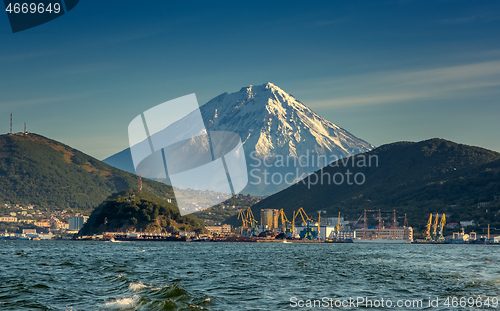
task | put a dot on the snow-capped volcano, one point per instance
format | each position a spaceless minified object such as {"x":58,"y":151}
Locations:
{"x":272,"y":122}
{"x":282,"y":138}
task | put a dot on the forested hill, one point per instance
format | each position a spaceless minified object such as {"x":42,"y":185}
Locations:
{"x":131,"y":210}
{"x":37,"y":170}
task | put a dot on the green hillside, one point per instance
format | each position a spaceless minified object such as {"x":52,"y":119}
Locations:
{"x":414,"y":178}
{"x":40,"y":171}
{"x":131,"y":210}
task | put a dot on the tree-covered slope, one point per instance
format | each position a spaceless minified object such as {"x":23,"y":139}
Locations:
{"x":37,"y":170}
{"x":131,"y":210}
{"x":414,"y":178}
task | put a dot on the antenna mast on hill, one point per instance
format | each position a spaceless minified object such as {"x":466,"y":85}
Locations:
{"x":25,"y":128}
{"x":10,"y":123}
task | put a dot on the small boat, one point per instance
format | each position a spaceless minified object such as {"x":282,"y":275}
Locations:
{"x":287,"y":242}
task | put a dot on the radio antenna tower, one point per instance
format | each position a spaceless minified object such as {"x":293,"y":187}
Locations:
{"x":25,"y":128}
{"x":10,"y":123}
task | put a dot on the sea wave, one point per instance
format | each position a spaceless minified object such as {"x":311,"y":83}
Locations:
{"x":123,"y":303}
{"x":137,"y":286}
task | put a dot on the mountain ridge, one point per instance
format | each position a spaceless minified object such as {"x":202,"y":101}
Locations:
{"x":37,"y":170}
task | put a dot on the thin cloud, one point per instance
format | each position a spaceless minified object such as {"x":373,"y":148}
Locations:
{"x":86,"y":68}
{"x":363,"y":100}
{"x":397,"y":86}
{"x":40,"y":101}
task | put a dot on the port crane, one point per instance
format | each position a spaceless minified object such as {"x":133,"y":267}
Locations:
{"x":434,"y":231}
{"x":435,"y":225}
{"x":305,"y":220}
{"x":319,"y":224}
{"x":428,"y":228}
{"x":284,"y":222}
{"x":441,"y":226}
{"x":251,"y":219}
{"x":434,"y":228}
{"x":241,"y":215}
{"x":337,"y":228}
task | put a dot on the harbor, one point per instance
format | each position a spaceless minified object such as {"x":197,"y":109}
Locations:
{"x":274,"y":227}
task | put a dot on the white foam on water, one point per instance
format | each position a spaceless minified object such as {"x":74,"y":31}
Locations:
{"x":123,"y":303}
{"x":137,"y":286}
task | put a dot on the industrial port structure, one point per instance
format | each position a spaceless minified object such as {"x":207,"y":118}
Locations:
{"x":274,"y":222}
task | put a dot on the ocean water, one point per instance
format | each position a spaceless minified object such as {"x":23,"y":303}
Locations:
{"x":70,"y":275}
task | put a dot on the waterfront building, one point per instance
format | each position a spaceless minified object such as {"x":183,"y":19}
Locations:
{"x":76,"y":222}
{"x":404,"y":233}
{"x":326,"y":232}
{"x":219,"y":230}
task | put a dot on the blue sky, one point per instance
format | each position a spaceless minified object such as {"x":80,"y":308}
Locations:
{"x":384,"y":70}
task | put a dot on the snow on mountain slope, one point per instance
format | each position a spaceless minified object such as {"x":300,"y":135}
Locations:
{"x":272,"y":122}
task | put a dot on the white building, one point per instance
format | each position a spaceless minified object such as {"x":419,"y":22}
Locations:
{"x":76,"y":222}
{"x":467,"y":223}
{"x":328,"y":232}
